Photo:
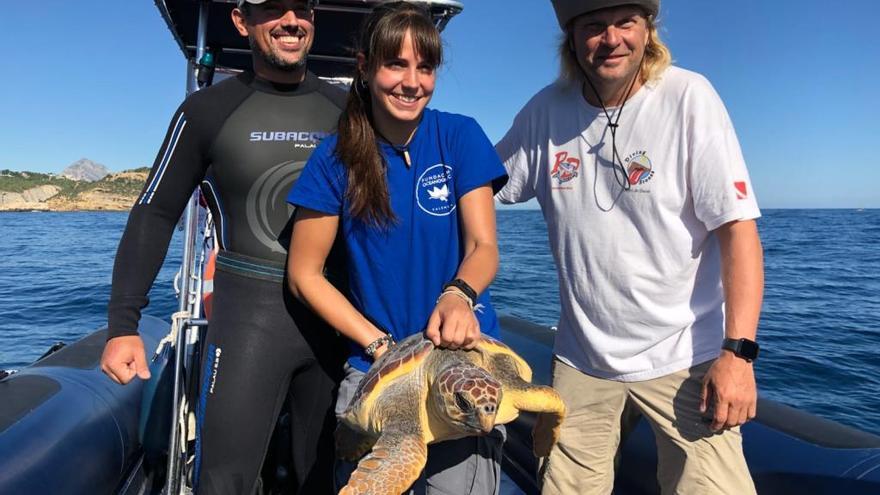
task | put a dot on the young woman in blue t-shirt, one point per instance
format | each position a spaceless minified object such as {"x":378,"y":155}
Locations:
{"x":410,"y":191}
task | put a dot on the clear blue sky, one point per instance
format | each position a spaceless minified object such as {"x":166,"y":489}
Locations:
{"x":100,"y":79}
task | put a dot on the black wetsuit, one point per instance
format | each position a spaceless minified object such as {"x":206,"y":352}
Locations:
{"x":245,"y":141}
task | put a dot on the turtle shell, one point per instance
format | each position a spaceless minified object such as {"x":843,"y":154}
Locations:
{"x":409,"y":354}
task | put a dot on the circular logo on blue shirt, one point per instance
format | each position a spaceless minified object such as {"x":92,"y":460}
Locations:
{"x":434,"y":192}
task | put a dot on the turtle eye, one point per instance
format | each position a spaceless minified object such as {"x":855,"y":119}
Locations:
{"x":462,"y":402}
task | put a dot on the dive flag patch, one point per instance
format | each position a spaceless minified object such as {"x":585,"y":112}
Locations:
{"x":741,"y":192}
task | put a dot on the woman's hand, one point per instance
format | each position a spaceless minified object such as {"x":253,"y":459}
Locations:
{"x":452,"y":323}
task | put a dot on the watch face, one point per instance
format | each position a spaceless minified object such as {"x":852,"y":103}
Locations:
{"x":748,"y":349}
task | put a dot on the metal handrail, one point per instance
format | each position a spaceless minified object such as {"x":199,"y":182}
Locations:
{"x":189,"y":294}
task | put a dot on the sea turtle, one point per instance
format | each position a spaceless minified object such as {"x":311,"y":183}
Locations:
{"x":417,"y":394}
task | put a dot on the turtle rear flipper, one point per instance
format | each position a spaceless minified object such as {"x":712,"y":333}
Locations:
{"x":395,"y":462}
{"x":351,"y":444}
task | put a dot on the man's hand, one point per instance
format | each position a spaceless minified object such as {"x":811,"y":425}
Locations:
{"x":730,"y":383}
{"x":453,"y":324}
{"x":123,"y":358}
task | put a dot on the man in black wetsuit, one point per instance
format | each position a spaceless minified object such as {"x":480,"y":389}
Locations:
{"x":244,"y":141}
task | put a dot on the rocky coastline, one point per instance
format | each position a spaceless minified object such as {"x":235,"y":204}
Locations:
{"x":24,"y":191}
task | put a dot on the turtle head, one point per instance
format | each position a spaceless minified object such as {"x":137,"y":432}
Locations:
{"x":469,"y":396}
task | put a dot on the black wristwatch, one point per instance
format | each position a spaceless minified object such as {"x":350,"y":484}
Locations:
{"x":743,"y":348}
{"x":465,"y":289}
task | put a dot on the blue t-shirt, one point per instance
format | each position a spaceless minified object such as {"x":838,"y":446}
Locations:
{"x":397,"y":273}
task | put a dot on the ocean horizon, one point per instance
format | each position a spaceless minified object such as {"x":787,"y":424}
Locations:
{"x":819,"y":329}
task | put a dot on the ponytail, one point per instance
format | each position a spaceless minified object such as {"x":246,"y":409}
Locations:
{"x":358,"y":149}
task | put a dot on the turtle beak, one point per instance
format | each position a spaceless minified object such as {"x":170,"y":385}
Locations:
{"x":486,"y":417}
{"x":487,"y":423}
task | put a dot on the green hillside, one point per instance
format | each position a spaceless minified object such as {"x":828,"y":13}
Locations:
{"x":12,"y":181}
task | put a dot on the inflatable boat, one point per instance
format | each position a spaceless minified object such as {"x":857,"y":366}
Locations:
{"x":66,"y":428}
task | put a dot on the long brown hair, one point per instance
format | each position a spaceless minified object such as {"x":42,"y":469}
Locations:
{"x":381,"y":37}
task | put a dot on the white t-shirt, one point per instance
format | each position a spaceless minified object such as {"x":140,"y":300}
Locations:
{"x":639,"y":271}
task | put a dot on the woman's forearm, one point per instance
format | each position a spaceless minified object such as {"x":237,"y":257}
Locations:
{"x":328,"y":303}
{"x":480,"y":262}
{"x":479,"y":266}
{"x":310,"y":243}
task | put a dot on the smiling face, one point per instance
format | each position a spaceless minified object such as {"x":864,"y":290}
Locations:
{"x":280,"y":33}
{"x":400,"y":88}
{"x":609,"y":45}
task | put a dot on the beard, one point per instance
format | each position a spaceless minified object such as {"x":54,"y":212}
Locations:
{"x":274,"y":61}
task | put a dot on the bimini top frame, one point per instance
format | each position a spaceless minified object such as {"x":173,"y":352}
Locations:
{"x":337,"y":22}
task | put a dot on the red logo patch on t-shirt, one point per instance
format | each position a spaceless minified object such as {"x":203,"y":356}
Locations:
{"x":741,"y":192}
{"x":565,"y":168}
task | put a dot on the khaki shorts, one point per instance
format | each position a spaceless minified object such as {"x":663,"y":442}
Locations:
{"x":691,"y":458}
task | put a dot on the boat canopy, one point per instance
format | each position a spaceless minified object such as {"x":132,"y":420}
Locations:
{"x":337,"y":22}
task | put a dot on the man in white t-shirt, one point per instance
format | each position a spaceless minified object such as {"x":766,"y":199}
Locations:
{"x":651,"y":219}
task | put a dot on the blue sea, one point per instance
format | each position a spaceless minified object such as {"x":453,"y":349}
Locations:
{"x":819,"y":331}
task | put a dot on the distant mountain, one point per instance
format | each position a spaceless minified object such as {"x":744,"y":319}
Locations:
{"x":85,"y":170}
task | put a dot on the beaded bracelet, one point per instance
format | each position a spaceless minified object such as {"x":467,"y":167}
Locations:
{"x":459,"y":294}
{"x":376,"y":344}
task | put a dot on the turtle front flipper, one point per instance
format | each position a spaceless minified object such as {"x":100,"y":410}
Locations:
{"x":520,"y":395}
{"x":395,"y":462}
{"x":551,"y":411}
{"x":546,"y":432}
